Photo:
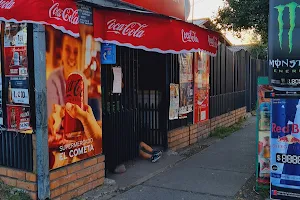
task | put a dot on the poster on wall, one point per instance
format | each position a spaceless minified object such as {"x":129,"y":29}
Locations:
{"x":174,"y":101}
{"x":18,"y":118}
{"x":16,"y":77}
{"x":186,"y":83}
{"x":263,"y":133}
{"x":15,"y":49}
{"x":201,"y":87}
{"x":285,"y":149}
{"x":17,"y":92}
{"x":73,"y":96}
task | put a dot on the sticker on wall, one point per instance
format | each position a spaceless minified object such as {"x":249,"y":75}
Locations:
{"x":108,"y":53}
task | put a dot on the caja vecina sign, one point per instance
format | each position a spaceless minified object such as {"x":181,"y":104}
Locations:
{"x":284,"y":45}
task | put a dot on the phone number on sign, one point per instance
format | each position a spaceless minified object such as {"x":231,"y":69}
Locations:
{"x":288,"y":159}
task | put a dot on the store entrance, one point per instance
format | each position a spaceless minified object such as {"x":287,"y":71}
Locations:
{"x":137,"y":113}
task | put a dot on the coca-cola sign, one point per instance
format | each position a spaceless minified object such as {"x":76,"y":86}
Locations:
{"x":213,"y":41}
{"x":66,"y":14}
{"x":189,"y":36}
{"x":6,"y":4}
{"x":132,"y":29}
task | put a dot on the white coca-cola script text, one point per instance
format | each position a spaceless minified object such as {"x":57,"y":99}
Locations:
{"x":133,"y":29}
{"x":189,"y":36}
{"x":213,"y":41}
{"x":66,"y":14}
{"x":7,"y":4}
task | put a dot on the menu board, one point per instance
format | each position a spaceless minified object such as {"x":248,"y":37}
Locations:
{"x":16,"y":76}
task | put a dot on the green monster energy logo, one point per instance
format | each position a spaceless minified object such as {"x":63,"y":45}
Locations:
{"x":292,"y":15}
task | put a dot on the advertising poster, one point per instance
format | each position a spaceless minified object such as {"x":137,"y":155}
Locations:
{"x":263,"y":133}
{"x":174,"y":101}
{"x":284,"y":28}
{"x":186,"y":83}
{"x":18,"y":118}
{"x":17,"y":92}
{"x":285,"y":149}
{"x":73,"y":96}
{"x":15,"y":49}
{"x":108,"y":53}
{"x":1,"y":111}
{"x":16,"y":77}
{"x":201,"y":87}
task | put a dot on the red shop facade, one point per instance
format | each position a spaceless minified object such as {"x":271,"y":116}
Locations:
{"x":84,"y":84}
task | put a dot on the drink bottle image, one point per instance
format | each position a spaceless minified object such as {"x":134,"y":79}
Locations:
{"x":9,"y":93}
{"x":75,"y":95}
{"x":16,"y":58}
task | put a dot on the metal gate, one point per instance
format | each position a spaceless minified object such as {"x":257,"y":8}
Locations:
{"x":137,"y":113}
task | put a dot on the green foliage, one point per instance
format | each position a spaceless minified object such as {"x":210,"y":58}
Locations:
{"x":259,"y":51}
{"x":223,"y":132}
{"x":10,"y":193}
{"x":240,"y":15}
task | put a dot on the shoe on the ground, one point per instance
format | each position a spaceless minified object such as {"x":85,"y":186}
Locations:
{"x":155,"y":158}
{"x":159,"y":153}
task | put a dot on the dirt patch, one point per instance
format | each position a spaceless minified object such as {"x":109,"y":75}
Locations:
{"x":247,"y":192}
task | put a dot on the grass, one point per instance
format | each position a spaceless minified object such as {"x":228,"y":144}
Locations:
{"x":10,"y":193}
{"x":223,"y":132}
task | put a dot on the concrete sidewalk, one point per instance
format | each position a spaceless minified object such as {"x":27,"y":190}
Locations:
{"x":216,"y":173}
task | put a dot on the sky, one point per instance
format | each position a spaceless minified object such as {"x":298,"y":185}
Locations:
{"x":209,"y":9}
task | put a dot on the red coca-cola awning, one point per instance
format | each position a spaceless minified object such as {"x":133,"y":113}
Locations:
{"x":61,"y":14}
{"x":152,"y":33}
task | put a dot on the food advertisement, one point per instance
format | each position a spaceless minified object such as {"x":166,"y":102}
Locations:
{"x":201,"y":87}
{"x":263,"y":133}
{"x":186,"y":83}
{"x":174,"y":101}
{"x":73,"y":96}
{"x":285,"y":149}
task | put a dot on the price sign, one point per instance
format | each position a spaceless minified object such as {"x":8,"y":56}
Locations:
{"x":24,"y":125}
{"x":20,"y":95}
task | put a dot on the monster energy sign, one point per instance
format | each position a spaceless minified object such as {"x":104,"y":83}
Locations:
{"x":284,"y":45}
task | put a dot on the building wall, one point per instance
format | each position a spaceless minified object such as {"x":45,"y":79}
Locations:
{"x":185,"y":136}
{"x":65,"y":183}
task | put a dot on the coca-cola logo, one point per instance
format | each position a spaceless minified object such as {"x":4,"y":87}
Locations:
{"x":66,"y":14}
{"x":213,"y":41}
{"x":189,"y":36}
{"x":74,"y":88}
{"x":6,"y":4}
{"x":133,"y":29}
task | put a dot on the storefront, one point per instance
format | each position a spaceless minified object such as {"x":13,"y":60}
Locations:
{"x":52,"y":58}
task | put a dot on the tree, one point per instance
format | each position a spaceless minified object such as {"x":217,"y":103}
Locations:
{"x":238,"y":15}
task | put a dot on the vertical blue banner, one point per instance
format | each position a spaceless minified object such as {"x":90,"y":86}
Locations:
{"x":285,"y":149}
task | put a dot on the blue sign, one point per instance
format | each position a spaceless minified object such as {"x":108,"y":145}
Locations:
{"x":108,"y":53}
{"x":285,"y":149}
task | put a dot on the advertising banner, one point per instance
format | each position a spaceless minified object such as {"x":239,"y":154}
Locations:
{"x":201,"y":87}
{"x":285,"y":149}
{"x":174,"y":101}
{"x":186,"y":83}
{"x":172,"y":8}
{"x":73,"y":96}
{"x":61,"y":14}
{"x":263,"y":133}
{"x":152,"y":33}
{"x":284,"y":45}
